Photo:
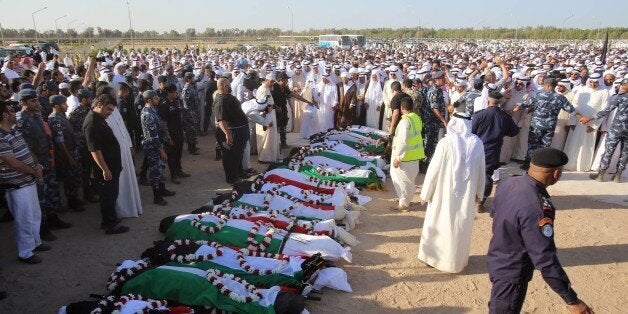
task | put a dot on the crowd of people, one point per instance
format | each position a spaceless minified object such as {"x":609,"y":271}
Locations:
{"x":81,"y":122}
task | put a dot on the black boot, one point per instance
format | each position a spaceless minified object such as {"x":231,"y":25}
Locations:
{"x":54,"y":222}
{"x":157,"y":199}
{"x":526,"y":164}
{"x":218,"y":153}
{"x":45,"y":234}
{"x":193,"y":150}
{"x":164,"y":192}
{"x":174,"y":179}
{"x":75,"y":205}
{"x":143,"y":178}
{"x":182,"y":174}
{"x":599,"y":176}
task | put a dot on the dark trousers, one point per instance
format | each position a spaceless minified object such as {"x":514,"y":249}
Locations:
{"x":507,"y":297}
{"x":232,"y":154}
{"x":174,"y":153}
{"x":207,"y":118}
{"x":108,"y":197}
{"x":87,"y":163}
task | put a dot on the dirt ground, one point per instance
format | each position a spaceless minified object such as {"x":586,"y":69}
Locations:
{"x":386,"y":276}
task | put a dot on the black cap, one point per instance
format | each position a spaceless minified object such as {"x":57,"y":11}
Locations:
{"x":27,"y":94}
{"x":84,"y":93}
{"x":51,"y":85}
{"x":549,"y":158}
{"x":189,"y":75}
{"x":162,"y":79}
{"x":26,"y":86}
{"x":57,"y":99}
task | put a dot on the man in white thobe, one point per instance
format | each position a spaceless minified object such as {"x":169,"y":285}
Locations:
{"x":453,"y":182}
{"x":563,"y":125}
{"x":328,"y":101}
{"x":580,"y":144}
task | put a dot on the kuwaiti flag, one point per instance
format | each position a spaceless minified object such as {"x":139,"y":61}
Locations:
{"x":347,"y":154}
{"x":367,"y":131}
{"x":189,"y":286}
{"x":236,"y":231}
{"x":301,"y":210}
{"x":337,"y":161}
{"x":338,"y":198}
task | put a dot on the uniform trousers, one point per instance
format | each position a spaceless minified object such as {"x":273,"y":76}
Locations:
{"x":24,"y":206}
{"x":507,"y":297}
{"x":615,"y":138}
{"x":403,"y":180}
{"x":108,"y":195}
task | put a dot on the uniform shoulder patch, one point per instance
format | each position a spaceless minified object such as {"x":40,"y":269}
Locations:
{"x":546,"y":225}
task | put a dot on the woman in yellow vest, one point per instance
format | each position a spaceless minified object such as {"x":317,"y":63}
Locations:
{"x":407,"y":150}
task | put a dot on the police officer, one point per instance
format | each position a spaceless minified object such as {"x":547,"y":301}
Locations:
{"x":76,"y":118}
{"x":523,"y":236}
{"x":545,"y":106}
{"x":617,"y":134}
{"x":66,"y":151}
{"x":154,"y":139}
{"x":434,"y":115}
{"x":169,"y":111}
{"x":190,"y":112}
{"x":36,"y":134}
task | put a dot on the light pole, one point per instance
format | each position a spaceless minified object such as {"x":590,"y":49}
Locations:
{"x":57,"y":28}
{"x":34,"y":25}
{"x":128,"y":7}
{"x":291,"y":24}
{"x":477,"y":36}
{"x":78,"y":34}
{"x":68,"y":30}
{"x":563,"y":29}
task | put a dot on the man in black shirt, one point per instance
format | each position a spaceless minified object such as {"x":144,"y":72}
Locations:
{"x":395,"y":106}
{"x":281,"y":93}
{"x":232,"y":131}
{"x":105,"y":151}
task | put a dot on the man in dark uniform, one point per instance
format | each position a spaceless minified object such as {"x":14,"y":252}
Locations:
{"x":491,"y":125}
{"x":76,"y":118}
{"x":523,"y":236}
{"x":190,"y":112}
{"x":169,"y":110}
{"x":66,"y":151}
{"x":36,"y":134}
{"x":154,"y":139}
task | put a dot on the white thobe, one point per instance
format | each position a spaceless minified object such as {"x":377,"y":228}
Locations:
{"x":580,"y":144}
{"x":309,"y":114}
{"x":446,"y":234}
{"x":268,"y":140}
{"x":373,"y":98}
{"x":522,"y":119}
{"x":560,"y":134}
{"x":328,"y":97}
{"x":387,"y":96}
{"x":403,"y":177}
{"x":129,"y":203}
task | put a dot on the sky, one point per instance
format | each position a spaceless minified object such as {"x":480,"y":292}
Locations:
{"x":164,"y":15}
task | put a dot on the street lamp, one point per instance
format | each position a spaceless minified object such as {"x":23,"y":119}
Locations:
{"x":57,"y":28}
{"x":291,"y":23}
{"x":35,"y":26}
{"x":563,"y":28}
{"x":130,"y":26}
{"x":68,"y":29}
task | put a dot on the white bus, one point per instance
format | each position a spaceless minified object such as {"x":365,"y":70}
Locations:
{"x":343,"y":41}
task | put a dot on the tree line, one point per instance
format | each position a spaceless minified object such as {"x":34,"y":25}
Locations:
{"x":538,"y":32}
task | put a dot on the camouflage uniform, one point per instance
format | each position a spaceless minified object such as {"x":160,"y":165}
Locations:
{"x":546,"y":105}
{"x":618,"y":132}
{"x":33,"y":130}
{"x":190,"y":112}
{"x":76,"y":118}
{"x":154,"y":137}
{"x":432,"y":124}
{"x":63,"y":132}
{"x":467,"y":100}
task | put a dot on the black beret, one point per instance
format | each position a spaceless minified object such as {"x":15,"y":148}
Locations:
{"x":27,"y":94}
{"x":57,"y":99}
{"x":26,"y":86}
{"x":51,"y":85}
{"x":549,"y":158}
{"x":188,"y":75}
{"x":162,"y":79}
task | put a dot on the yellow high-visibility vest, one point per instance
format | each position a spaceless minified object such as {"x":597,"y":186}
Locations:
{"x":414,"y":142}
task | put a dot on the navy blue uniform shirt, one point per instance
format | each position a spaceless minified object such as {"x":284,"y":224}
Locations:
{"x":523,"y":236}
{"x":491,"y":125}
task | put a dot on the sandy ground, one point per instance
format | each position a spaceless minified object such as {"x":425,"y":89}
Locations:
{"x":591,"y":235}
